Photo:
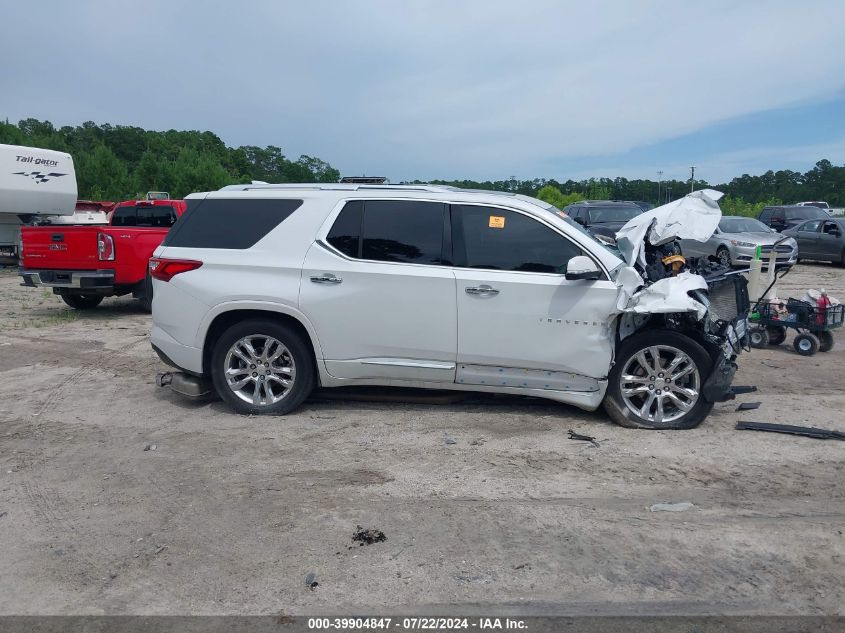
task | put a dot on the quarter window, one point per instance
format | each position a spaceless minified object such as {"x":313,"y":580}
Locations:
{"x":495,"y":239}
{"x":231,"y":223}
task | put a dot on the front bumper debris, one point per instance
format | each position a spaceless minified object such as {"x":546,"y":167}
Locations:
{"x":717,"y":388}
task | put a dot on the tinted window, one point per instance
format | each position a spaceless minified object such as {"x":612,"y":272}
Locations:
{"x":810,"y":226}
{"x":486,"y":237}
{"x":765,"y":214}
{"x":228,"y":223}
{"x":159,"y":216}
{"x":125,"y":216}
{"x":613,"y":214}
{"x":805,"y":213}
{"x":403,"y":231}
{"x":345,"y":235}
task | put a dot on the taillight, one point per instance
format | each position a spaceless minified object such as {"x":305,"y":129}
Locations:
{"x":105,"y":247}
{"x":165,"y":269}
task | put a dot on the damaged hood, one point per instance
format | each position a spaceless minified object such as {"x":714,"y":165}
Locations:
{"x":693,"y":217}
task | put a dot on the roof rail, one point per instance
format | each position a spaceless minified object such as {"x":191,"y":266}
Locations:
{"x":333,"y":187}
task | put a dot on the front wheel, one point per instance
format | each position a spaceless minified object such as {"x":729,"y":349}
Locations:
{"x":724,"y":257}
{"x":806,"y":344}
{"x":81,"y":302}
{"x":656,"y":382}
{"x":259,"y":366}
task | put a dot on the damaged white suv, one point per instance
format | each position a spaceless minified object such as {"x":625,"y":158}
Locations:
{"x":266,"y":291}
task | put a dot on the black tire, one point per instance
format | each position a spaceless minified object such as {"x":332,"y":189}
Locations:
{"x":759,"y":337}
{"x":777,"y":334}
{"x":724,"y":256}
{"x":614,"y":403}
{"x":806,"y":344}
{"x":299,"y":350}
{"x":826,"y":341}
{"x":82,"y":302}
{"x":146,"y":300}
{"x":842,"y":258}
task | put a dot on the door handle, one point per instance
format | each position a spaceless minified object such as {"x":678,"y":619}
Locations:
{"x":483,"y":290}
{"x":326,"y":278}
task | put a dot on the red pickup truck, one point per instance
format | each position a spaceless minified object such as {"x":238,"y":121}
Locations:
{"x":84,"y":264}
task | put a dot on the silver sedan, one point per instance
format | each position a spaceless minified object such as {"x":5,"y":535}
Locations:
{"x":736,"y":240}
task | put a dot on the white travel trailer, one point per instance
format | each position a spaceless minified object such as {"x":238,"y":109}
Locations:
{"x":33,"y":182}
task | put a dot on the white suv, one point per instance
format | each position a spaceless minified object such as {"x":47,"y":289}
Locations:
{"x":270,"y":290}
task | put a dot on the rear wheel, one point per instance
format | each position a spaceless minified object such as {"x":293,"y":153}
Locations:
{"x":759,"y":337}
{"x":260,"y":366}
{"x":806,"y":344}
{"x":656,"y":382}
{"x":777,"y":334}
{"x":81,"y":302}
{"x":146,"y":299}
{"x":825,"y":341}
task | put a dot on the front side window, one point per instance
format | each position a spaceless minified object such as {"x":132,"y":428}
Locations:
{"x":496,"y":239}
{"x":810,"y":227}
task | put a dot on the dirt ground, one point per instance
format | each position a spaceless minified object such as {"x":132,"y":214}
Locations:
{"x":230,"y":513}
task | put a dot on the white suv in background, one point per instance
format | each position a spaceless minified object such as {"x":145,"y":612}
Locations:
{"x":270,"y":290}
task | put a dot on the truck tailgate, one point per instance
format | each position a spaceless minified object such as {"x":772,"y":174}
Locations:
{"x":59,"y":247}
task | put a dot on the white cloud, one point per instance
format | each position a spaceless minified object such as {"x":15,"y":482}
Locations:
{"x":475,"y":89}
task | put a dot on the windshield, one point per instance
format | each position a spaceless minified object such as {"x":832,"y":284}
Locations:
{"x":742,"y":225}
{"x":805,"y":213}
{"x":613,"y":214}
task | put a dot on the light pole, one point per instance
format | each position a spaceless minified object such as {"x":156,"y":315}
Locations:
{"x":659,"y":182}
{"x":692,"y":179}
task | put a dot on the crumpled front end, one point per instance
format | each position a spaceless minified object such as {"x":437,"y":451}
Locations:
{"x":660,"y":289}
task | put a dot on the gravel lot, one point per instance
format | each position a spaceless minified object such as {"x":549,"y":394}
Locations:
{"x":228,"y":514}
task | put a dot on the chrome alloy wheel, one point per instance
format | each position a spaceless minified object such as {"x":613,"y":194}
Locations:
{"x":259,"y":370}
{"x":660,"y":383}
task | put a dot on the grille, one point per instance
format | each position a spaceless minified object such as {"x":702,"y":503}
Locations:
{"x":729,"y":298}
{"x":783,"y":248}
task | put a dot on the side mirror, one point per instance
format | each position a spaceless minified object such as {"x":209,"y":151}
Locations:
{"x":582,"y":267}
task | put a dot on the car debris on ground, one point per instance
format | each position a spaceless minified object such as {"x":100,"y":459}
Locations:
{"x":368,"y":536}
{"x":680,"y":506}
{"x":748,"y":406}
{"x":805,"y":431}
{"x":311,"y":581}
{"x":583,"y":438}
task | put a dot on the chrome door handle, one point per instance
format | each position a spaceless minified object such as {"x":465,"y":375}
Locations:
{"x":326,"y":278}
{"x":483,"y":289}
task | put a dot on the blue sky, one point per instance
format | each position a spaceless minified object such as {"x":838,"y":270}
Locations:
{"x":438,"y":89}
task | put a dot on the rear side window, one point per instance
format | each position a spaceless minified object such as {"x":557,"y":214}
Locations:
{"x":235,"y":223}
{"x":403,"y":231}
{"x":391,"y":231}
{"x":158,"y":216}
{"x":125,"y":216}
{"x":765,"y":214}
{"x":496,"y":239}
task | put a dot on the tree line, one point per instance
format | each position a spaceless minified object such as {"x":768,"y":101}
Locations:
{"x":119,"y":162}
{"x":115,"y":162}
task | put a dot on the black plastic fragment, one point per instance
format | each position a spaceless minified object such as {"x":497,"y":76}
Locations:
{"x":805,"y":431}
{"x":738,"y":389}
{"x":747,"y":406}
{"x":583,"y":438}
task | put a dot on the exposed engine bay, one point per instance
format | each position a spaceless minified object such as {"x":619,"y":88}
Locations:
{"x":661,"y":289}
